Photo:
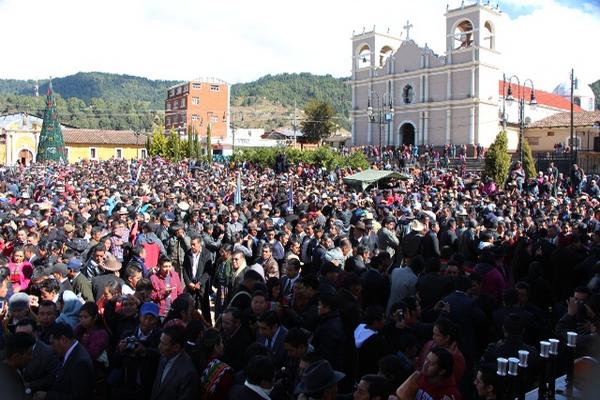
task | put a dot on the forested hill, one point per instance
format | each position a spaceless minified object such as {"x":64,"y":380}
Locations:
{"x":113,"y":101}
{"x":95,"y":85}
{"x":290,"y":89}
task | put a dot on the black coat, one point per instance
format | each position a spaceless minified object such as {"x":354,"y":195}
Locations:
{"x":373,"y":349}
{"x":376,"y":288}
{"x":235,"y":347}
{"x":75,"y":378}
{"x":202,"y":272}
{"x":39,"y":373}
{"x":181,"y":382}
{"x":242,"y":392}
{"x":327,"y":338}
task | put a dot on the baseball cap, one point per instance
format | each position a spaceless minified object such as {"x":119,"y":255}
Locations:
{"x":75,"y":264}
{"x":149,"y":308}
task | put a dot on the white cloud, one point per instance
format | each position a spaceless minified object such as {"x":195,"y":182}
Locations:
{"x":239,"y":40}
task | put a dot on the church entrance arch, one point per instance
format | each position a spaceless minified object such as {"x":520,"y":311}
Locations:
{"x":25,"y":157}
{"x":407,"y":134}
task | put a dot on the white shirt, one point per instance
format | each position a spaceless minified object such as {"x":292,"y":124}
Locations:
{"x":168,"y":367}
{"x":195,"y":261}
{"x":68,"y":353}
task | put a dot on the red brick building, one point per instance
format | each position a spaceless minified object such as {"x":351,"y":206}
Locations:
{"x":196,"y":104}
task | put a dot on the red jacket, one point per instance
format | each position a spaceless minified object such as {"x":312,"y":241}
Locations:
{"x":159,"y":293}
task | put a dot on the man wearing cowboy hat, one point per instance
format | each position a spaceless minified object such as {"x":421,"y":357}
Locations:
{"x":413,"y":241}
{"x":109,"y":275}
{"x":387,"y":240}
{"x":319,"y":381}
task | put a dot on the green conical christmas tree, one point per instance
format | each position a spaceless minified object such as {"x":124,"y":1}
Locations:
{"x":51,"y":146}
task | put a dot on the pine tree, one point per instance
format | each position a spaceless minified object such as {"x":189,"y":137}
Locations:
{"x":197,"y":149}
{"x":174,"y":146}
{"x":189,"y":146}
{"x":208,"y":144}
{"x":51,"y":146}
{"x":497,"y":160}
{"x":528,"y":161}
{"x":158,"y":144}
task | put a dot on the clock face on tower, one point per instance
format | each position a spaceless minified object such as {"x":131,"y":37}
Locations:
{"x":408,"y":94}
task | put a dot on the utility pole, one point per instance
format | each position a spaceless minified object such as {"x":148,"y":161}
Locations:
{"x":294,"y":124}
{"x":573,"y":157}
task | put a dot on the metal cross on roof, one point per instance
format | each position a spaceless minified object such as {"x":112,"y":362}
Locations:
{"x":407,"y":28}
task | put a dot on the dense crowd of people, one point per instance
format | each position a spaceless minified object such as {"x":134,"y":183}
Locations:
{"x":158,"y":280}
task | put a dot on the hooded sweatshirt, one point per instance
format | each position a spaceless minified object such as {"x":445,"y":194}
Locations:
{"x":362,"y":334}
{"x":70,"y":311}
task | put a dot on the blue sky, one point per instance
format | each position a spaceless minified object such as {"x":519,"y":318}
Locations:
{"x":240,"y":40}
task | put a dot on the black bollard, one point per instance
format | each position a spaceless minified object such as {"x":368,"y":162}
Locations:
{"x":513,"y":375}
{"x":522,"y":385}
{"x":542,"y":381}
{"x":501,"y":372}
{"x":553,"y":366}
{"x":571,"y":344}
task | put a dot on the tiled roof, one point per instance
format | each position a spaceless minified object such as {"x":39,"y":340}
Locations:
{"x":98,"y":136}
{"x":543,"y":98}
{"x":583,"y":118}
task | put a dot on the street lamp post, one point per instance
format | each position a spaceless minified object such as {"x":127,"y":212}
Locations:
{"x":233,"y":128}
{"x":508,"y":97}
{"x":382,"y":114}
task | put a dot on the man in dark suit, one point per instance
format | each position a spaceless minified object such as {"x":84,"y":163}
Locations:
{"x":18,"y":353}
{"x":467,"y":314}
{"x":260,"y":373}
{"x":272,"y":335}
{"x":60,"y":272}
{"x":196,"y":265}
{"x":176,"y":377}
{"x":75,"y":375}
{"x":431,"y":243}
{"x":40,"y":371}
{"x":236,"y":338}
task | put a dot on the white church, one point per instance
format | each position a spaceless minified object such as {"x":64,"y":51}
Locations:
{"x":403,"y":93}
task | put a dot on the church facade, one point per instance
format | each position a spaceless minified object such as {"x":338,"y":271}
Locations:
{"x":406,"y":94}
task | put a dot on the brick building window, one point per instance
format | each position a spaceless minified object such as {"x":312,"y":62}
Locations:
{"x":176,"y":104}
{"x":178,"y":90}
{"x":195,"y":117}
{"x":171,"y":93}
{"x":550,"y":133}
{"x":182,"y":102}
{"x":119,"y":153}
{"x":168,"y":121}
{"x":215,"y":88}
{"x":195,"y":100}
{"x":93,"y":153}
{"x":196,"y":85}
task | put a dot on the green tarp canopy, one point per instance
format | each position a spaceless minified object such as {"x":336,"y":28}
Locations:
{"x":367,"y":178}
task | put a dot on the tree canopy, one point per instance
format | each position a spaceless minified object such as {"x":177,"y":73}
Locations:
{"x":318,"y":123}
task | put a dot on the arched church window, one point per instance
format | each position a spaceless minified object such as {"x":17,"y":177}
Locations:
{"x":463,"y":35}
{"x":364,"y":57}
{"x":408,"y":94}
{"x":384,"y":54}
{"x":488,"y":35}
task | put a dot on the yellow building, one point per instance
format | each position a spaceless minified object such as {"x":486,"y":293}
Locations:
{"x":19,"y":136}
{"x":93,"y":144}
{"x":544,"y":134}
